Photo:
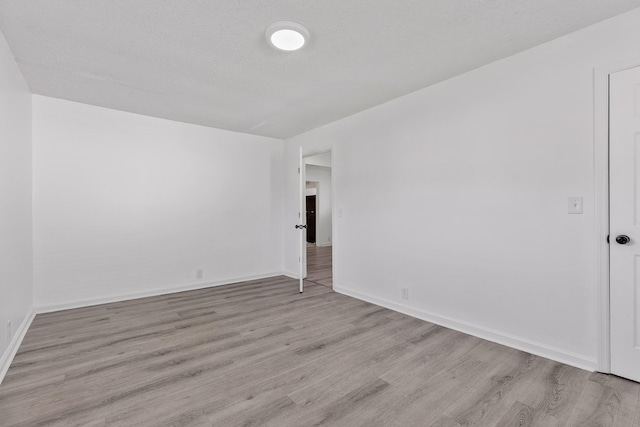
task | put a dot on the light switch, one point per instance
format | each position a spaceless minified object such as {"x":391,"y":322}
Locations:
{"x":575,"y":205}
{"x":340,"y":212}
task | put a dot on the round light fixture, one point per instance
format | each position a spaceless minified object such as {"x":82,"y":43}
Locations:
{"x":287,"y":35}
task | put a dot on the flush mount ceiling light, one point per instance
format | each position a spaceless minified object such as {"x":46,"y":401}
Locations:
{"x":287,"y":35}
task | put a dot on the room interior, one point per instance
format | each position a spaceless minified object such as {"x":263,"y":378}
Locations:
{"x":150,"y":150}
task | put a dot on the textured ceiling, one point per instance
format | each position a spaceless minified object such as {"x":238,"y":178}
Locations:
{"x":207,"y":61}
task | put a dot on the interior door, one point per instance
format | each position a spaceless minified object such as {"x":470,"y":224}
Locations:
{"x":311,"y":219}
{"x":301,"y":226}
{"x":624,"y":182}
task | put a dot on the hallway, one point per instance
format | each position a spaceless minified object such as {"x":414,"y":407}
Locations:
{"x":319,"y":265}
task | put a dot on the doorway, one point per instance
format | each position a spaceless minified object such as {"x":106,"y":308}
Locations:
{"x":311,"y":215}
{"x":318,"y":259}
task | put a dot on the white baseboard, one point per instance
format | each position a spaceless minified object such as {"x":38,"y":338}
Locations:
{"x":11,"y":351}
{"x":323,"y":244}
{"x":539,"y":349}
{"x":48,"y":308}
{"x":291,"y":274}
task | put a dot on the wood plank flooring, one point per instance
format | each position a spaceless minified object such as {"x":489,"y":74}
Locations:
{"x":319,"y":265}
{"x":261,"y":354}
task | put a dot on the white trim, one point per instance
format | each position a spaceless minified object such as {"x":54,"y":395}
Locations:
{"x":509,"y":340}
{"x":290,"y":274}
{"x":601,"y":205}
{"x":11,"y":351}
{"x":601,"y":200}
{"x":323,"y":245}
{"x":150,"y":293}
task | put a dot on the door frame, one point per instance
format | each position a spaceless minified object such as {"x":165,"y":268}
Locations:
{"x":303,"y":171}
{"x":601,"y":201}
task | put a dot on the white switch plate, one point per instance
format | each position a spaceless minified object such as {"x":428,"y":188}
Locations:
{"x":340,"y":212}
{"x":575,"y":205}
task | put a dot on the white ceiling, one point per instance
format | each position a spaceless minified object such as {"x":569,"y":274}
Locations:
{"x":207,"y":61}
{"x":322,"y":159}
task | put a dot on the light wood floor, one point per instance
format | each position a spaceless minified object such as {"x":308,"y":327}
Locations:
{"x":262,"y":354}
{"x":319,"y":265}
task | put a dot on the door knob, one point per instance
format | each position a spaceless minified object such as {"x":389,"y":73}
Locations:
{"x":622,"y":239}
{"x":301,"y":226}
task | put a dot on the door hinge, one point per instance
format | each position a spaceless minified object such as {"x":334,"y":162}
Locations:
{"x":607,"y":238}
{"x":298,"y":170}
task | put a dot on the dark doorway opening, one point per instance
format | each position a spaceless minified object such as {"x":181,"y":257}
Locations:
{"x":311,"y":219}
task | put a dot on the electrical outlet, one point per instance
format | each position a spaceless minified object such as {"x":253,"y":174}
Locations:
{"x":404,"y":293}
{"x":9,"y":331}
{"x":199,"y":274}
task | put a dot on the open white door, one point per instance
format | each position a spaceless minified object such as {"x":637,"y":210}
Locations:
{"x":302,"y":220}
{"x":624,"y":182}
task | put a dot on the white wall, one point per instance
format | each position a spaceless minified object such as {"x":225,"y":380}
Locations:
{"x":322,"y":176}
{"x":16,"y":288}
{"x":130,"y":205}
{"x":459,"y":193}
